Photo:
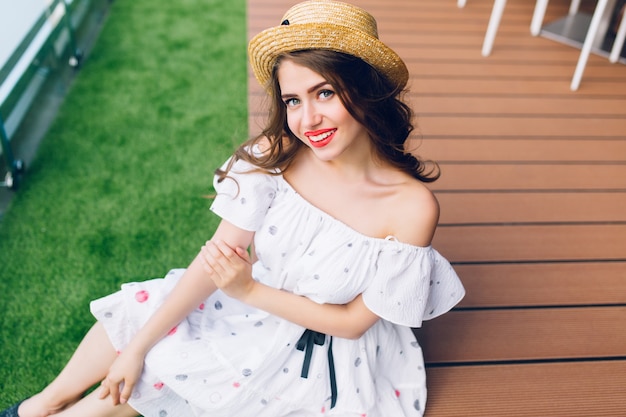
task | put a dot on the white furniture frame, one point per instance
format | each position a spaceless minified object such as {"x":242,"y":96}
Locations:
{"x":537,"y":22}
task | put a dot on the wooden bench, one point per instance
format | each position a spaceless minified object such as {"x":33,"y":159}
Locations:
{"x":533,"y":198}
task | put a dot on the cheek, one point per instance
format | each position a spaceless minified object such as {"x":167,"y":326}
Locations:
{"x":293,"y":123}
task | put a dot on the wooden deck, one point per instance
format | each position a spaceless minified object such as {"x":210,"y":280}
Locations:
{"x":533,"y":198}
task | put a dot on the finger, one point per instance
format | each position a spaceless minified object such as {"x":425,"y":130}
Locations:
{"x":216,"y":258}
{"x":114,"y":392}
{"x":204,"y":259}
{"x":126,"y":392}
{"x":230,"y":257}
{"x":208,"y":258}
{"x":224,"y":248}
{"x":243,"y":254}
{"x":104,"y":390}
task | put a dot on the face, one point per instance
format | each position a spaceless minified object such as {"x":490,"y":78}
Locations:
{"x":316,"y":114}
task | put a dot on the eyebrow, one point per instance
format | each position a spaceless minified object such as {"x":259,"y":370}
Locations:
{"x":310,"y":90}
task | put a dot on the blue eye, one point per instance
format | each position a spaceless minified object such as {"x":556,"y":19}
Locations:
{"x":291,"y":102}
{"x":326,"y":93}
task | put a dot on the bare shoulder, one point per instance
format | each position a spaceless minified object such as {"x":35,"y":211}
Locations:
{"x":416,"y":214}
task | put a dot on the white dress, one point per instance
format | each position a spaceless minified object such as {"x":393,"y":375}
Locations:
{"x":227,"y":359}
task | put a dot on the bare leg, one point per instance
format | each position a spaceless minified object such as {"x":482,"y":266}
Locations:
{"x":92,"y":406}
{"x":88,"y":365}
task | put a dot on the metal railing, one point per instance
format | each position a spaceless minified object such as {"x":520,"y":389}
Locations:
{"x":51,"y":37}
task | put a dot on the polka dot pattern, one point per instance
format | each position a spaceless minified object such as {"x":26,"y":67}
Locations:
{"x":228,"y":359}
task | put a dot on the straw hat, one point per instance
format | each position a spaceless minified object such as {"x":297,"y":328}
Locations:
{"x":325,"y":24}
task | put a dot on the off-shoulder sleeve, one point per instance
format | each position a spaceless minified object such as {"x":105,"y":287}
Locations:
{"x":244,"y":196}
{"x":411,"y":285}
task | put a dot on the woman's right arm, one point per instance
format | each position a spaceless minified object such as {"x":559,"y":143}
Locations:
{"x":193,"y":288}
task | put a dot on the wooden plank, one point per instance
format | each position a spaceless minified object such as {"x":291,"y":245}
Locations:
{"x":464,"y":48}
{"x":581,"y":389}
{"x":543,"y":284}
{"x":532,"y":243}
{"x":503,"y":176}
{"x":522,"y":149}
{"x":529,"y":207}
{"x":431,"y":105}
{"x":496,"y":69}
{"x":448,"y":37}
{"x":503,"y":125}
{"x":505,"y":86}
{"x":524,"y":335}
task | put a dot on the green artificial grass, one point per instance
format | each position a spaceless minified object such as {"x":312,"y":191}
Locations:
{"x":117,"y":190}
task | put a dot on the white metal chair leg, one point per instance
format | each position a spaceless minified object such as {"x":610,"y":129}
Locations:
{"x":589,"y":39}
{"x":538,"y":15}
{"x":573,"y":7}
{"x":461,"y":3}
{"x":618,"y":43}
{"x":492,"y":28}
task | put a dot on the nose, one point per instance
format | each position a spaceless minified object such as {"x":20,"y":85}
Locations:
{"x":311,"y":116}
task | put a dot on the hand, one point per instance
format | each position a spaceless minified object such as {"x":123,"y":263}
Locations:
{"x":229,"y":269}
{"x":123,"y":374}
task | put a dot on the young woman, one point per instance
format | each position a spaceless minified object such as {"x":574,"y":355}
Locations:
{"x":338,"y":221}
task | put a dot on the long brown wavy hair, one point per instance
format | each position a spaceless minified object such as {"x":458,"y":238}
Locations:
{"x":368,"y":96}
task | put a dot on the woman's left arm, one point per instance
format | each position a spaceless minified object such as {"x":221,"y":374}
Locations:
{"x":231,"y":271}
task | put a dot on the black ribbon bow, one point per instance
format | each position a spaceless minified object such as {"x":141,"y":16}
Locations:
{"x":306,"y":343}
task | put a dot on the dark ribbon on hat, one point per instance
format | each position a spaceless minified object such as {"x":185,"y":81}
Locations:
{"x":306,"y":343}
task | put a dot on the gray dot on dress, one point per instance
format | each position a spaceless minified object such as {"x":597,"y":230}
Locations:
{"x":264,"y":401}
{"x":218,"y":305}
{"x":242,"y":200}
{"x":346,"y":270}
{"x":108,"y":314}
{"x":357,"y":362}
{"x":349,"y":245}
{"x":415,"y":344}
{"x":273,"y":230}
{"x":181,"y":377}
{"x":316,"y":276}
{"x":162,"y":413}
{"x":285,"y":370}
{"x":417,"y":405}
{"x":246,"y":372}
{"x":258,"y":324}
